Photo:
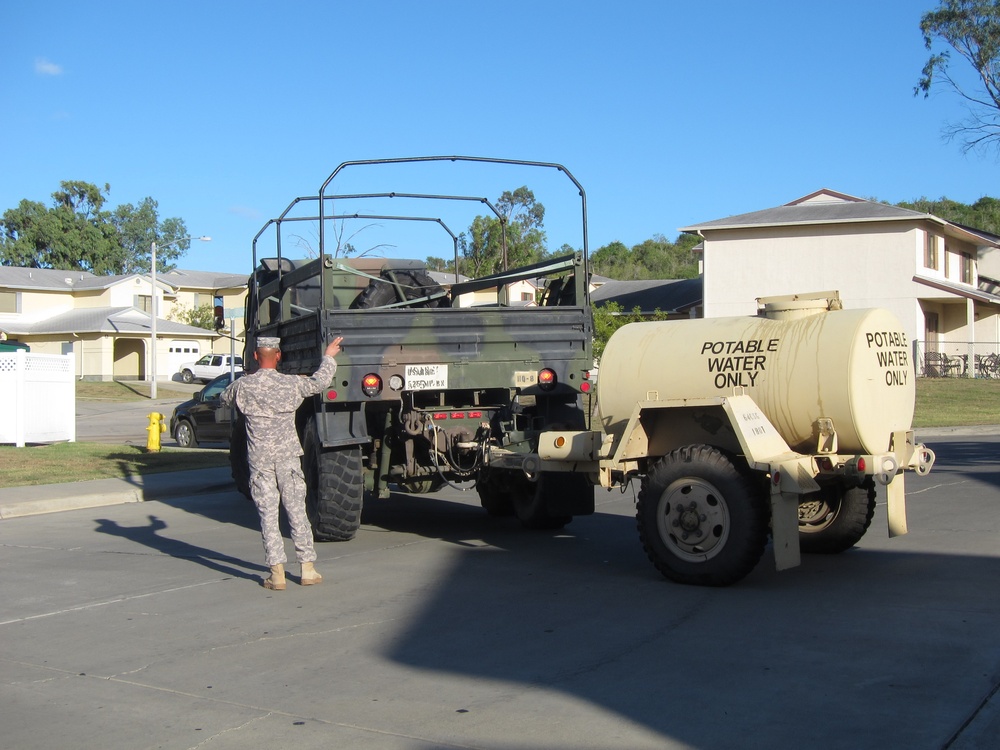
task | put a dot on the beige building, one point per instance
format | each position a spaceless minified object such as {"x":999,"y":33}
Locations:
{"x":937,"y":277}
{"x":104,"y":321}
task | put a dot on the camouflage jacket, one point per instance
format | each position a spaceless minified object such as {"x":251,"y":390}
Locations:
{"x":269,"y":399}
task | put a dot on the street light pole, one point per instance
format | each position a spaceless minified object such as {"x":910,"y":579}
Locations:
{"x":152,"y":308}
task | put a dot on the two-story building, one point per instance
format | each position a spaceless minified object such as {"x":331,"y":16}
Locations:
{"x":937,"y":277}
{"x":105,"y":323}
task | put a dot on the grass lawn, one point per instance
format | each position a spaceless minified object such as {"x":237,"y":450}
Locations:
{"x":941,"y":402}
{"x":957,"y":402}
{"x":135,"y":390}
{"x":77,"y":462}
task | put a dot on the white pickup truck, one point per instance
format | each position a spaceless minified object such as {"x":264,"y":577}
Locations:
{"x":208,"y":367}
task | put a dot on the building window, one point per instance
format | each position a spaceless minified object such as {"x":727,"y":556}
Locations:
{"x":8,"y":302}
{"x":144,"y":302}
{"x":930,"y":250}
{"x":966,"y":268}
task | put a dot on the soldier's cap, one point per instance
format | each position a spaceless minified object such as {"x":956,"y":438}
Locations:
{"x":269,"y":342}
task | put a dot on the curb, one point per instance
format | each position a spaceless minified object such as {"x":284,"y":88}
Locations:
{"x":16,"y":502}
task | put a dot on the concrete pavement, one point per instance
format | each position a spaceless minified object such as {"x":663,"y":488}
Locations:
{"x":439,"y":627}
{"x":49,"y":498}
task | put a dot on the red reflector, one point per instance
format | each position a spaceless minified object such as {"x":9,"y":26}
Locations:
{"x":585,"y":387}
{"x":475,"y":415}
{"x":331,"y":395}
{"x":440,"y":415}
{"x":861,"y":465}
{"x":458,"y":415}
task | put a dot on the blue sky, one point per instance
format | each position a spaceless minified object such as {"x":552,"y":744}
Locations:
{"x":668,"y":113}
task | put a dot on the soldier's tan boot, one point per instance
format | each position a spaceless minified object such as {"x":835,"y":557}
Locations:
{"x":276,"y":581}
{"x":309,"y":575}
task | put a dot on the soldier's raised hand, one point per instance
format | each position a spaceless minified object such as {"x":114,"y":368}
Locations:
{"x":333,"y":348}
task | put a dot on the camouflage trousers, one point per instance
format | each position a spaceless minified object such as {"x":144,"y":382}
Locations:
{"x":282,"y":483}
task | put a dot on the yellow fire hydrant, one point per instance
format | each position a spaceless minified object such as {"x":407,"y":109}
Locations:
{"x":156,"y":427}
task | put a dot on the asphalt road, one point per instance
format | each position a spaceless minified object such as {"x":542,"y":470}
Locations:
{"x":145,"y":626}
{"x":125,"y":422}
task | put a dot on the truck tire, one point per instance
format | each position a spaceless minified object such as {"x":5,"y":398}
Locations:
{"x":187,"y":376}
{"x":416,"y":284}
{"x":334,"y":488}
{"x":701,"y":520}
{"x":834,"y":519}
{"x":238,"y":461}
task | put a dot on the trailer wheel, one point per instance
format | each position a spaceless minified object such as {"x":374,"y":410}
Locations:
{"x":834,"y":519}
{"x":540,"y":505}
{"x":334,"y":488}
{"x":494,"y":495}
{"x":238,"y":461}
{"x":415,"y":283}
{"x":701,"y":521}
{"x":421,"y":486}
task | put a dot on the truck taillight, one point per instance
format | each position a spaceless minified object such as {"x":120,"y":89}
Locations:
{"x":331,"y":395}
{"x":371,"y":384}
{"x":546,"y":379}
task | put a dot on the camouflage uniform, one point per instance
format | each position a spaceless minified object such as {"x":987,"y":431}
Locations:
{"x":268,"y":400}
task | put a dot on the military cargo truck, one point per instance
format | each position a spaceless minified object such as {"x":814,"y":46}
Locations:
{"x":424,"y":388}
{"x":782,"y":426}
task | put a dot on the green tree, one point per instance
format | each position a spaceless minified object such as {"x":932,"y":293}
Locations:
{"x":984,"y":214}
{"x":202,"y":316}
{"x":655,"y":258}
{"x":610,"y":316}
{"x":482,"y":248}
{"x":972,"y":29}
{"x":78,"y":233}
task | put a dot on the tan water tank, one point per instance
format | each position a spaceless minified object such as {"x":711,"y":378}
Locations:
{"x":852,"y":366}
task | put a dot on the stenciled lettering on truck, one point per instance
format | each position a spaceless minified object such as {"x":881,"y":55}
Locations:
{"x":737,"y":363}
{"x":892,"y":354}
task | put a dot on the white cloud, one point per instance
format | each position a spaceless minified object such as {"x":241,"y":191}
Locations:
{"x":46,"y":68}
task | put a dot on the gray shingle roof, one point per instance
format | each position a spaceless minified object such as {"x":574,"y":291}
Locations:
{"x":109,"y":320}
{"x":821,"y":207}
{"x":45,"y":279}
{"x":666,"y":295}
{"x":180,"y":277}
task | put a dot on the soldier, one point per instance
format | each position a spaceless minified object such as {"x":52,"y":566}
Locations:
{"x":268,"y":401}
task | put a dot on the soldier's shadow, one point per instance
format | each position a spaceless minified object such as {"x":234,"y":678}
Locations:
{"x":149,"y":536}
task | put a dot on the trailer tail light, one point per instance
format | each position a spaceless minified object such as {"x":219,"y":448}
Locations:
{"x":439,"y":415}
{"x":546,"y":379}
{"x":475,"y":415}
{"x":331,"y":395}
{"x":458,"y":415}
{"x":371,"y":385}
